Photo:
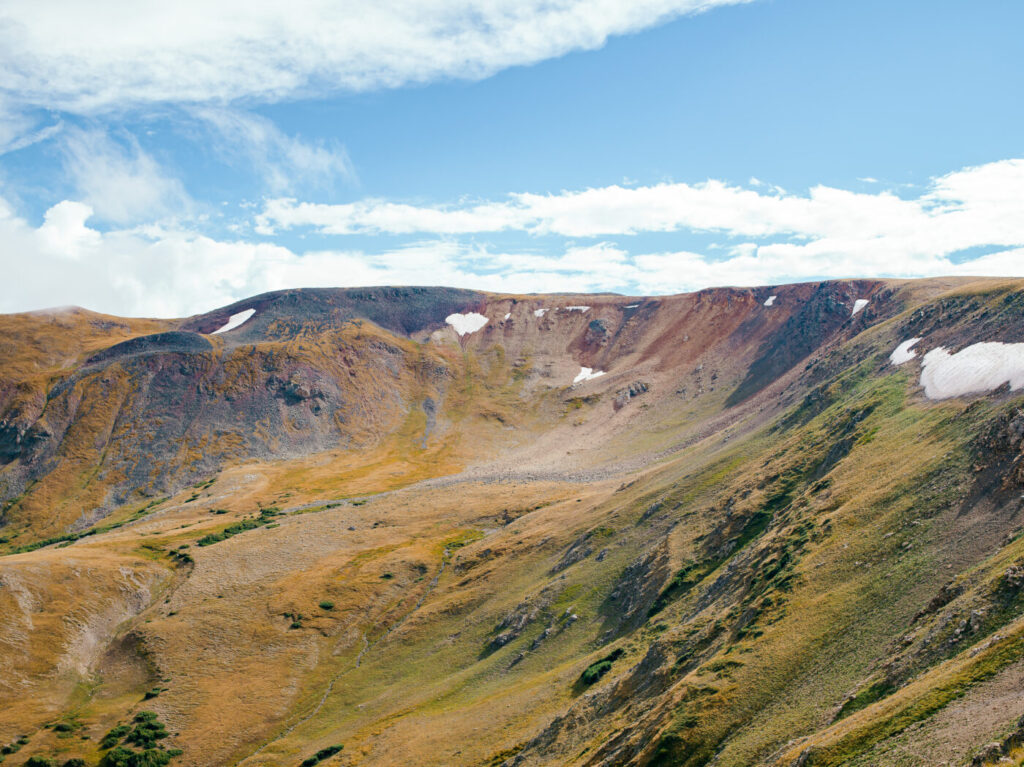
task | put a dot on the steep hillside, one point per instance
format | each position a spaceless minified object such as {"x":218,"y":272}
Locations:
{"x":772,"y":526}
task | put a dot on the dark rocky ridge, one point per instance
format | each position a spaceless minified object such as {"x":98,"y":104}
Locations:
{"x":405,"y":311}
{"x":172,"y":341}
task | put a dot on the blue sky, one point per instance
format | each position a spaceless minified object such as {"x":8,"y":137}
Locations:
{"x":167,"y":162}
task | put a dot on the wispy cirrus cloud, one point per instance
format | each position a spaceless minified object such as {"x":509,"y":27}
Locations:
{"x":284,"y":162}
{"x":102,"y":55}
{"x":120,"y":181}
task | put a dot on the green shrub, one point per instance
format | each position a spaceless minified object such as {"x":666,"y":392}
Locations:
{"x":595,"y":672}
{"x":113,"y":737}
{"x":39,"y":761}
{"x":598,"y":669}
{"x":147,"y":731}
{"x":76,"y":762}
{"x":326,"y":605}
{"x":123,"y":757}
{"x":327,"y":753}
{"x":321,"y":755}
{"x":150,"y":757}
{"x":248,"y":523}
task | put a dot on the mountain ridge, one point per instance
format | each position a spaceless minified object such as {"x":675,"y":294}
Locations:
{"x":745,"y":535}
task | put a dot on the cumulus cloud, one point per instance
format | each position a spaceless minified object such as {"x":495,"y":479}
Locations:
{"x":64,"y":233}
{"x":101,"y":55}
{"x":164,"y":271}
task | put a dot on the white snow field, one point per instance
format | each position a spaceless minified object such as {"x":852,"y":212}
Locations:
{"x":586,"y":374}
{"x":979,"y":367}
{"x":770,"y":301}
{"x":235,"y":321}
{"x":859,"y":304}
{"x":904,"y":352}
{"x":507,"y":315}
{"x":539,"y":312}
{"x":577,"y":308}
{"x":466,"y":323}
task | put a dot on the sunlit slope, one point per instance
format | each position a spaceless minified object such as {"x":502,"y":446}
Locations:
{"x":753,"y":540}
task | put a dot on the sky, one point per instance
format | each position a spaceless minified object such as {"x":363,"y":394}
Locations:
{"x":164,"y":159}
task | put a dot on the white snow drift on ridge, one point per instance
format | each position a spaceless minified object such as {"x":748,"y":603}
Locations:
{"x":539,"y":312}
{"x":979,"y":367}
{"x":235,"y":321}
{"x":587,"y":374}
{"x":466,"y":323}
{"x":509,"y":314}
{"x":631,"y":306}
{"x":903,"y":352}
{"x":577,"y":308}
{"x":859,"y":304}
{"x":770,"y":301}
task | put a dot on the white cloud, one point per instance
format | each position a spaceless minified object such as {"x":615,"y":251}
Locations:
{"x":283,"y":161}
{"x":18,"y":130}
{"x":167,"y":272}
{"x":121,"y":182}
{"x":867,"y":233}
{"x":64,"y":233}
{"x":102,"y":55}
{"x":170,"y":271}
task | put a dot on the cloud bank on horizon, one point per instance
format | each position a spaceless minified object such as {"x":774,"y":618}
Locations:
{"x":775,"y":237}
{"x":132,"y":237}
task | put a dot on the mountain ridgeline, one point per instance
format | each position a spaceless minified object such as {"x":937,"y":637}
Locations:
{"x":378,"y":526}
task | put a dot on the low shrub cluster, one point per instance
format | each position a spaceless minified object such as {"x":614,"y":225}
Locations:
{"x":144,"y":733}
{"x":248,"y":523}
{"x":321,"y":755}
{"x":13,"y":747}
{"x":598,"y":669}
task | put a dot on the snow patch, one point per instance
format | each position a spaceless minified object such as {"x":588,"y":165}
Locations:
{"x":539,"y":312}
{"x":235,"y":321}
{"x":903,"y":352}
{"x":859,"y":304}
{"x":577,"y":308}
{"x":466,"y":323}
{"x":509,"y":314}
{"x":979,"y":367}
{"x":770,"y":301}
{"x":631,"y":306}
{"x":586,"y":374}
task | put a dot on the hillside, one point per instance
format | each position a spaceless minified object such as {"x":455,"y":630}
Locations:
{"x":767,"y":526}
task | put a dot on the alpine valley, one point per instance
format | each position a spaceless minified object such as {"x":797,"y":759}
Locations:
{"x":427,"y":526}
